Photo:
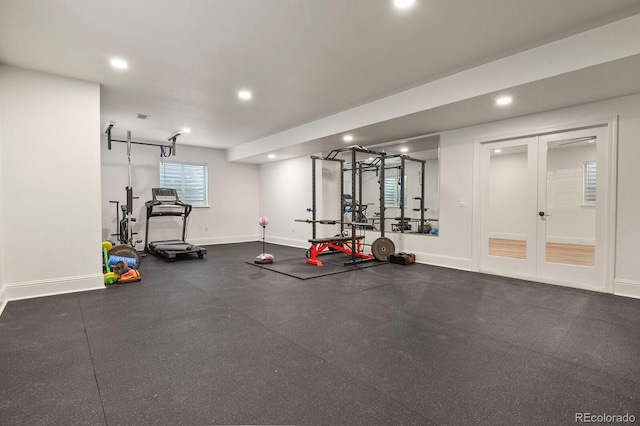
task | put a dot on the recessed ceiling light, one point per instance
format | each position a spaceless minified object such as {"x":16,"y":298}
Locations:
{"x":347,"y":138}
{"x":405,"y":149}
{"x":186,"y":130}
{"x":403,"y":4}
{"x":497,"y":151}
{"x":272,"y":156}
{"x":120,"y":64}
{"x":245,"y":95}
{"x":505,"y":100}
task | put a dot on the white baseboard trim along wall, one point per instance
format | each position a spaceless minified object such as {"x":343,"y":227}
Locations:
{"x":444,"y":261}
{"x":223,"y":240}
{"x":50,"y":287}
{"x":628,"y":288}
{"x":425,"y":258}
{"x":3,"y":299}
{"x":289,"y":242}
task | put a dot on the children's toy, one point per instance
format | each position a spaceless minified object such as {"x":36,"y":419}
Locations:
{"x":130,"y":276}
{"x":109,"y":277}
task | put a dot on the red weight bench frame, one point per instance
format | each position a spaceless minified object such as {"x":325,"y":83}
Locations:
{"x":342,"y":244}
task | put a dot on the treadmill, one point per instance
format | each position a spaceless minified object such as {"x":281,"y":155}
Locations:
{"x":166,"y":203}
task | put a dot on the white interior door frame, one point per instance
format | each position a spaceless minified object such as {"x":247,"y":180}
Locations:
{"x":524,"y":268}
{"x":611,"y":122}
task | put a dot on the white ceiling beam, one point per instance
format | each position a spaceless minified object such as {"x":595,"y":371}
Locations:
{"x":610,"y":42}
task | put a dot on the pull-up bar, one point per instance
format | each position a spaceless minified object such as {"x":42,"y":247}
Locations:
{"x":171,"y":139}
{"x":353,"y":148}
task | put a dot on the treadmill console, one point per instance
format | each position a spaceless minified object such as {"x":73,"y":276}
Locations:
{"x":166,"y":202}
{"x":165,"y":195}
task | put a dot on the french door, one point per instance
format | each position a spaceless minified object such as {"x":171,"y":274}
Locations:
{"x":544,"y":207}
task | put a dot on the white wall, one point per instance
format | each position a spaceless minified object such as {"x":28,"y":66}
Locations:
{"x":232,"y":215}
{"x":508,"y":192}
{"x":3,"y":298}
{"x":285,"y":194}
{"x":454,"y":246}
{"x":51,"y":183}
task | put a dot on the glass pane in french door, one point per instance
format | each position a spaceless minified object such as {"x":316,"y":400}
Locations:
{"x":508,"y":199}
{"x":570,"y":213}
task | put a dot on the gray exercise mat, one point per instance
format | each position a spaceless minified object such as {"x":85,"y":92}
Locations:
{"x":297,"y":267}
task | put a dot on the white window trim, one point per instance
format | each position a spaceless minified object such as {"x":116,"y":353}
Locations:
{"x":190,"y":163}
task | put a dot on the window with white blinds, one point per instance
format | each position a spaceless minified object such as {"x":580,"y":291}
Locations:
{"x":590,"y":183}
{"x":190,"y":180}
{"x":391,"y":192}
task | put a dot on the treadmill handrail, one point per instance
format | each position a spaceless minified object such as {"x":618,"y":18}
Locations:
{"x":151,"y":204}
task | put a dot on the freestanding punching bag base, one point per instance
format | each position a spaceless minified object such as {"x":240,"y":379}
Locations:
{"x":264,"y":259}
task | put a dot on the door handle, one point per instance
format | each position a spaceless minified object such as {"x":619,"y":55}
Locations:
{"x":543,"y":214}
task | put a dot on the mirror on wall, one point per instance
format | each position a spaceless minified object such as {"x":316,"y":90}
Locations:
{"x":421,"y":190}
{"x":411,"y":187}
{"x":360,"y":198}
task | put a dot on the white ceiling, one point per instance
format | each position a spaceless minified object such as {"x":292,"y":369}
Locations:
{"x":605,"y":81}
{"x":303,"y":60}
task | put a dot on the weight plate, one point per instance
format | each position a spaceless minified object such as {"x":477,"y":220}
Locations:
{"x":382,"y":248}
{"x":126,"y":251}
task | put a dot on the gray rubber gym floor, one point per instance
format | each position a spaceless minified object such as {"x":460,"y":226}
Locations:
{"x":218,"y":341}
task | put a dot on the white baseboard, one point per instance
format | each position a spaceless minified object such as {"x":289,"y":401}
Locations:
{"x":53,"y":286}
{"x":444,"y":261}
{"x":223,"y":240}
{"x":565,"y":284}
{"x":628,"y":288}
{"x":426,"y":258}
{"x":3,"y":299}
{"x":542,"y":280}
{"x":289,"y":242}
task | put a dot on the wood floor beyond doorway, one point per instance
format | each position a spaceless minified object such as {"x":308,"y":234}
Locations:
{"x":571,"y":254}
